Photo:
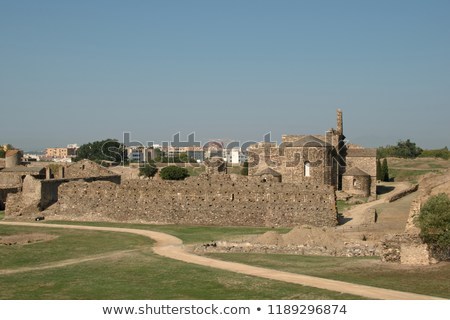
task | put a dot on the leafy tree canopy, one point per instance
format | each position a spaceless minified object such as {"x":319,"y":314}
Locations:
{"x":404,"y":149}
{"x":174,"y":173}
{"x":105,"y":150}
{"x":149,"y":170}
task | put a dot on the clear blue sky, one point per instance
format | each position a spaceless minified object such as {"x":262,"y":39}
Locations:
{"x":79,"y":71}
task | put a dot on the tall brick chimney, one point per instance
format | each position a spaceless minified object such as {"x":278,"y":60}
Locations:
{"x":340,"y":123}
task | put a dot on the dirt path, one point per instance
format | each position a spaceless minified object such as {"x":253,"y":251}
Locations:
{"x":172,"y":247}
{"x":356,"y":214}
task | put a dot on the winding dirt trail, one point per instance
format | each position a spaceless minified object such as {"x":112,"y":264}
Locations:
{"x":356,"y":214}
{"x":172,"y":247}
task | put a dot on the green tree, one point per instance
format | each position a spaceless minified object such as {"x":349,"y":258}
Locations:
{"x":407,"y":149}
{"x":379,"y":172}
{"x":2,"y":152}
{"x":174,"y":173}
{"x":404,"y":149}
{"x":434,"y":221}
{"x":105,"y":150}
{"x":244,"y":170}
{"x":149,"y":170}
{"x":385,"y":170}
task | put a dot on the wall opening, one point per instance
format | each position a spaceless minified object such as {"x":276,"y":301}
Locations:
{"x":307,"y":169}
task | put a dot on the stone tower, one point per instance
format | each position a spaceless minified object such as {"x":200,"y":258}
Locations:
{"x":12,"y":158}
{"x":340,"y":123}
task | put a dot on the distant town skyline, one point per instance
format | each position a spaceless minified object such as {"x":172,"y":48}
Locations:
{"x":76,"y":72}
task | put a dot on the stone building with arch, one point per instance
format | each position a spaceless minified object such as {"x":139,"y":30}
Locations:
{"x":318,"y":159}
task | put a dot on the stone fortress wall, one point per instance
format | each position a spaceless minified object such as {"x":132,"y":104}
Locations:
{"x":223,"y":200}
{"x":87,"y":191}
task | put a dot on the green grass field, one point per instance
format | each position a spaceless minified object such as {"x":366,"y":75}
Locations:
{"x":69,"y":244}
{"x":130,"y":270}
{"x":412,"y":176}
{"x":367,"y":271}
{"x":2,"y":215}
{"x":137,"y":274}
{"x":412,"y":169}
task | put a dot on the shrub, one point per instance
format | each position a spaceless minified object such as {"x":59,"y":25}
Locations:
{"x":148,"y":171}
{"x":174,"y":173}
{"x":434,"y":221}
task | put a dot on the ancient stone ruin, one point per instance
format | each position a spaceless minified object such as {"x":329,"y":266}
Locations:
{"x":290,"y":185}
{"x":318,"y":159}
{"x":88,"y":191}
{"x":26,"y":191}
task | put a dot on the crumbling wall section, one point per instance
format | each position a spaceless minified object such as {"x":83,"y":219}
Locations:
{"x":200,"y":201}
{"x":26,"y":202}
{"x":4,"y":192}
{"x":37,"y":195}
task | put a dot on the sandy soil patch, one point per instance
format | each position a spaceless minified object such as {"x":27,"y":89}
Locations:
{"x":24,"y":239}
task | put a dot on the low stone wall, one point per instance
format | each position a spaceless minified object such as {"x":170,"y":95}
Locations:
{"x":404,"y":193}
{"x":349,"y":250}
{"x":370,"y":217}
{"x":199,"y":201}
